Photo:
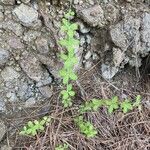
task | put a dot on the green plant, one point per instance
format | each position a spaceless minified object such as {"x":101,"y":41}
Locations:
{"x":85,"y":127}
{"x":62,"y":147}
{"x":92,"y":105}
{"x":33,"y":127}
{"x":138,"y":102}
{"x":111,"y":104}
{"x":126,"y":106}
{"x":67,"y":72}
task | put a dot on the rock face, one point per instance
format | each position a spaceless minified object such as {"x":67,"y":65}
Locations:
{"x":32,"y":67}
{"x":132,"y":37}
{"x":8,"y":2}
{"x":26,"y":15}
{"x":94,"y":16}
{"x":9,"y":74}
{"x":2,"y":129}
{"x":42,"y":45}
{"x":4,"y":56}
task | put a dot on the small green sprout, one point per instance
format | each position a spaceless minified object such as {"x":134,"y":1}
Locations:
{"x":33,"y":127}
{"x":62,"y":147}
{"x":126,"y":106}
{"x":112,"y":104}
{"x":67,"y":72}
{"x":93,"y":105}
{"x":86,"y":127}
{"x":138,"y":102}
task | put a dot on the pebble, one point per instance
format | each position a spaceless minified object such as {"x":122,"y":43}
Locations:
{"x":88,"y":55}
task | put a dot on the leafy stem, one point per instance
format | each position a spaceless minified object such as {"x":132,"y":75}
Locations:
{"x":67,"y":72}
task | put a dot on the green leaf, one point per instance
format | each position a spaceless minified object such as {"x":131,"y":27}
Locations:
{"x":30,"y":124}
{"x":138,"y":102}
{"x":36,"y":122}
{"x":62,"y":73}
{"x":63,"y":56}
{"x":74,"y":26}
{"x":42,"y":122}
{"x":65,"y":80}
{"x":70,"y":33}
{"x":72,"y":93}
{"x":126,"y":106}
{"x":65,"y":95}
{"x":69,"y":87}
{"x":66,"y":22}
{"x":63,"y":42}
{"x":73,"y":76}
{"x":112,"y":104}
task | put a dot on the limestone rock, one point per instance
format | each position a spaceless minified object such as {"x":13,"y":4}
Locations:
{"x":32,"y":67}
{"x":108,"y":72}
{"x":2,"y":129}
{"x":1,"y":16}
{"x":42,"y":45}
{"x":9,"y":74}
{"x":94,"y":16}
{"x":46,"y":91}
{"x":15,"y":43}
{"x":145,"y":33}
{"x":13,"y":27}
{"x":4,"y":56}
{"x":26,"y":15}
{"x":8,"y":2}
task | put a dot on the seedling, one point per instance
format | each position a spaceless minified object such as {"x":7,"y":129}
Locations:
{"x":32,"y":128}
{"x":112,"y":104}
{"x":138,"y":102}
{"x":85,"y":127}
{"x":126,"y":106}
{"x":69,"y":59}
{"x":92,"y":105}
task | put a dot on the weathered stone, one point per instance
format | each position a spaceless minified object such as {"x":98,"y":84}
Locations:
{"x":1,"y":16}
{"x":88,"y":55}
{"x":9,"y":74}
{"x":118,"y":56}
{"x":145,"y":33}
{"x":30,"y":102}
{"x":82,"y":28}
{"x":8,"y":2}
{"x":46,"y":91}
{"x":108,"y":72}
{"x":52,"y":65}
{"x":25,"y":90}
{"x":2,"y":105}
{"x":118,"y":36}
{"x":2,"y":129}
{"x":42,"y":45}
{"x":13,"y":27}
{"x":11,"y":95}
{"x":25,"y":1}
{"x":26,"y":15}
{"x":31,"y":35}
{"x":4,"y":56}
{"x":93,"y":16}
{"x":88,"y":64}
{"x":125,"y":32}
{"x":111,"y":13}
{"x":15,"y":43}
{"x":32,"y":67}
